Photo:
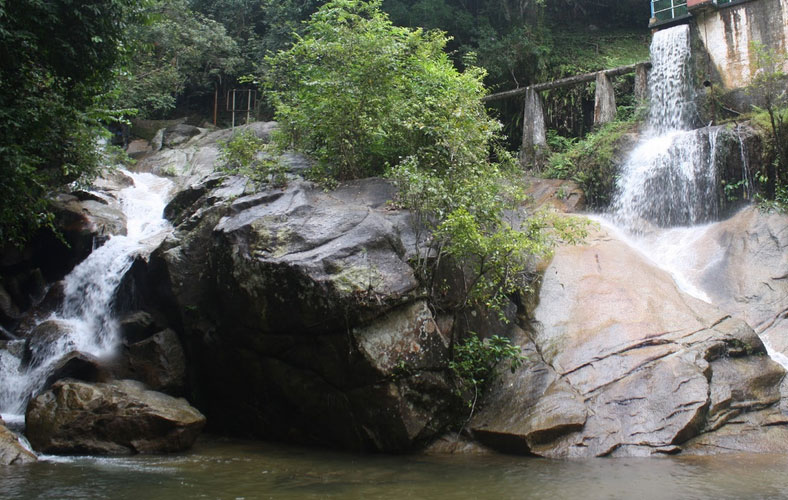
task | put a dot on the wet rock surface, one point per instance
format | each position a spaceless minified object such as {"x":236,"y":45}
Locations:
{"x":159,"y":362}
{"x":77,"y":365}
{"x":11,"y":450}
{"x":562,"y":195}
{"x":301,"y":320}
{"x":747,"y":271}
{"x":112,"y":418}
{"x":622,"y":363}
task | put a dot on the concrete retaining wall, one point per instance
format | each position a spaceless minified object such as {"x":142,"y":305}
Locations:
{"x":727,"y":32}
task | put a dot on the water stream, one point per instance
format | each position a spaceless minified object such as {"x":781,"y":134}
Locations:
{"x":87,"y":314}
{"x":670,"y":178}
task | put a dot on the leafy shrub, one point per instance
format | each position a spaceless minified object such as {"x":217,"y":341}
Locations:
{"x":360,"y":94}
{"x":474,"y":362}
{"x":57,"y":62}
{"x":769,"y":92}
{"x":248,"y":155}
{"x":592,"y":161}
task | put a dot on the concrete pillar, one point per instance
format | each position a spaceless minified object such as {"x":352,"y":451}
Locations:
{"x":604,"y":100}
{"x":641,"y":84}
{"x":534,"y":148}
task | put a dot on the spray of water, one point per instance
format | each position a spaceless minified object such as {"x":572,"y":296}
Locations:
{"x":86,"y":320}
{"x":670,"y":178}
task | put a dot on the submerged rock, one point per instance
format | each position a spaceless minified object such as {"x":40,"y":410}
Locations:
{"x":119,"y":417}
{"x":623,"y":363}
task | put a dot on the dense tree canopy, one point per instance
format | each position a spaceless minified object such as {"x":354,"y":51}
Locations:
{"x":177,"y":52}
{"x":57,"y":59}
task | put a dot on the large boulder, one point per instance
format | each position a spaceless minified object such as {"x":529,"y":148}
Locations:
{"x":76,"y":365}
{"x":302,"y":318}
{"x":46,"y":339}
{"x":11,"y":450}
{"x":176,"y":135}
{"x":190,"y":162}
{"x":745,"y":271}
{"x":120,"y":417}
{"x":621,"y":362}
{"x":159,"y":362}
{"x":83,"y":224}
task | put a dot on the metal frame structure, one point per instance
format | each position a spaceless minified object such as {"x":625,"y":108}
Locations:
{"x":250,"y":98}
{"x":668,"y":10}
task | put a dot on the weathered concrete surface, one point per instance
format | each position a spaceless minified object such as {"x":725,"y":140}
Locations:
{"x":728,"y":33}
{"x":533,"y":151}
{"x":622,"y":363}
{"x":604,"y":100}
{"x":118,"y":417}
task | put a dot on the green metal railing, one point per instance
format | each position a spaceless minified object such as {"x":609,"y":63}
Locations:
{"x":667,"y":10}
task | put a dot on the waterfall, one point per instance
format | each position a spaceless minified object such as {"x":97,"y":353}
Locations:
{"x":668,"y":192}
{"x":671,"y":177}
{"x":85,"y":321}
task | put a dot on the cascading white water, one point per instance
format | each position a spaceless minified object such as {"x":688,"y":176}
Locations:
{"x":86,"y":315}
{"x":670,"y":178}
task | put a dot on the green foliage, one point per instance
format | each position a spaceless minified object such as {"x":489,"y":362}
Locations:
{"x":777,"y":205}
{"x":248,"y":155}
{"x":769,"y":90}
{"x":591,"y":162}
{"x":360,"y":95}
{"x":376,"y":94}
{"x":175,"y":52}
{"x":474,"y":362}
{"x":56,"y":67}
{"x":468,"y":221}
{"x":258,"y":27}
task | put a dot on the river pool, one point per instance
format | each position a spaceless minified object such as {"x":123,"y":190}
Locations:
{"x":227,"y":469}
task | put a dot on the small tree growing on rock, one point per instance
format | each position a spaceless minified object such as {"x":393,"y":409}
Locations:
{"x":365,"y":97}
{"x":770,"y":93}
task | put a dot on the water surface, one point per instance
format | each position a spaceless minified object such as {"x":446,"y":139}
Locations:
{"x":224,"y":469}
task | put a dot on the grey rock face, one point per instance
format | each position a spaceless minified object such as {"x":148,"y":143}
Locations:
{"x":622,"y":363}
{"x":119,"y":417}
{"x":302,"y":317}
{"x":159,"y":361}
{"x":747,"y":271}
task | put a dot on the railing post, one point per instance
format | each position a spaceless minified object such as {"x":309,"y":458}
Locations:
{"x":641,"y":84}
{"x":604,"y":100}
{"x":533,"y":151}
